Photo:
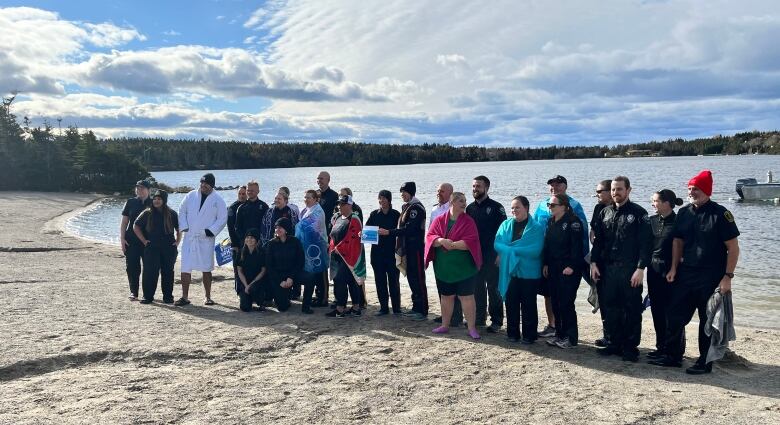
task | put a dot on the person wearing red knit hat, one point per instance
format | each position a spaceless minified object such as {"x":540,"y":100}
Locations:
{"x":705,"y":251}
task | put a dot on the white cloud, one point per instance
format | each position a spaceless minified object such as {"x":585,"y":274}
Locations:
{"x":567,"y":72}
{"x":172,"y":33}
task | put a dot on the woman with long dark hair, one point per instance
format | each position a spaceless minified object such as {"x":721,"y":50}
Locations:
{"x":658,"y":288}
{"x":251,"y":271}
{"x":157,"y":228}
{"x":563,"y":263}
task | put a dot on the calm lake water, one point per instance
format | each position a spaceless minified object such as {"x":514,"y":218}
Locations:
{"x":756,"y":287}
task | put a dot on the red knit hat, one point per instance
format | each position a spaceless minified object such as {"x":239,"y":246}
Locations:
{"x":703,"y":181}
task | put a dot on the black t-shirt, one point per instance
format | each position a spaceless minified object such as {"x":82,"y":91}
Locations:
{"x":488,"y":215}
{"x":328,"y":200}
{"x":158,"y":234}
{"x":384,"y":251}
{"x":518,"y":227}
{"x":132,"y":209}
{"x":662,"y":241}
{"x":704,"y":231}
{"x":252,"y":263}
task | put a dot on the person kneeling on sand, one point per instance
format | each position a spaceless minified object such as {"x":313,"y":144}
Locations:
{"x":452,"y":244}
{"x":284,"y":260}
{"x":251,"y":271}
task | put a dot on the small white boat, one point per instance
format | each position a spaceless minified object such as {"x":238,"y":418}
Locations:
{"x":751,"y":190}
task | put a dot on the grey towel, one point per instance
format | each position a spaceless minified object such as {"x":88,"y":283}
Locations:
{"x":720,"y":325}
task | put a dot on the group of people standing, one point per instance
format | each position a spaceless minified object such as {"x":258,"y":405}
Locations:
{"x":484,"y":262}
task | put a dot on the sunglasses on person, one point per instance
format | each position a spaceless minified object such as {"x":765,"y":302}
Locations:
{"x":552,"y":204}
{"x":598,"y":191}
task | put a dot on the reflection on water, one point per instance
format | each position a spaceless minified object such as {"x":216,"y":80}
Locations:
{"x":756,"y":288}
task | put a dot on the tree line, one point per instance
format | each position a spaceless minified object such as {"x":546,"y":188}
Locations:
{"x":39,"y":159}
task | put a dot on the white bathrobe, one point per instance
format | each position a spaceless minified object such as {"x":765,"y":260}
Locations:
{"x":197,"y":249}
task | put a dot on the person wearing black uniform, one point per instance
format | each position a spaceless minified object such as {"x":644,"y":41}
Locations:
{"x":386,"y":273}
{"x":488,"y":214}
{"x":562,"y":267}
{"x":284,"y":260}
{"x":131,"y":246}
{"x":250,"y":214}
{"x":328,"y":197}
{"x":705,"y":252}
{"x":251,"y":271}
{"x":410,"y":247}
{"x":604,"y":198}
{"x":658,"y":288}
{"x":235,"y":242}
{"x":621,"y":251}
{"x":157,"y":228}
{"x":328,"y":200}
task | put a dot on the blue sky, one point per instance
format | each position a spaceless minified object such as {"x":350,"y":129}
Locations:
{"x":500,"y":73}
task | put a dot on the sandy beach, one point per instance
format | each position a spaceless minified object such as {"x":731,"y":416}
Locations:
{"x":75,"y":350}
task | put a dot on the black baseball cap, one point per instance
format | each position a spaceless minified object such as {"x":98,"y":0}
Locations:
{"x":345,"y":199}
{"x":558,"y":179}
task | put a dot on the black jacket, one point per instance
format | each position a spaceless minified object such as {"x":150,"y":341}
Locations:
{"x":284,"y":260}
{"x":235,"y":241}
{"x":622,"y":236}
{"x":563,"y":242}
{"x":704,"y":231}
{"x":411,"y":225}
{"x":249,"y":216}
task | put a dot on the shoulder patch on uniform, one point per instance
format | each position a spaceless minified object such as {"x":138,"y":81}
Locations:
{"x":576,"y":225}
{"x":729,"y":216}
{"x":630,"y":218}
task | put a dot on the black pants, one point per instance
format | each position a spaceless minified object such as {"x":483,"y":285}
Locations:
{"x":415,"y":275}
{"x":486,"y":295}
{"x":133,"y":256}
{"x":321,"y":284}
{"x":521,"y":298}
{"x":622,"y":308}
{"x":690,"y":292}
{"x":660,"y":292}
{"x":388,"y":286}
{"x":159,"y":261}
{"x":271,"y":289}
{"x":256,"y":295}
{"x":309,"y":281}
{"x":600,"y":295}
{"x":344,"y":286}
{"x":563,"y":293}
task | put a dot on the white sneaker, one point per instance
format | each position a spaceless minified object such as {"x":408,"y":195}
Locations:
{"x":133,"y":297}
{"x":563,"y":343}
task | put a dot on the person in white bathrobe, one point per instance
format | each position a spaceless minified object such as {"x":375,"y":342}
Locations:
{"x":202,"y":215}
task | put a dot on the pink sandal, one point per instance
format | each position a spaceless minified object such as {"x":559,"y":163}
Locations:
{"x":474,"y":334}
{"x":441,"y":330}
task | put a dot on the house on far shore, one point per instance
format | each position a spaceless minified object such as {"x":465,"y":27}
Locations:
{"x":641,"y":152}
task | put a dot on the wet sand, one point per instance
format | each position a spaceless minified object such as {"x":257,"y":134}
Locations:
{"x":75,"y":350}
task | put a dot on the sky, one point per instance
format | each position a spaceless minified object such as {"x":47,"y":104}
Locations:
{"x":518,"y":73}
